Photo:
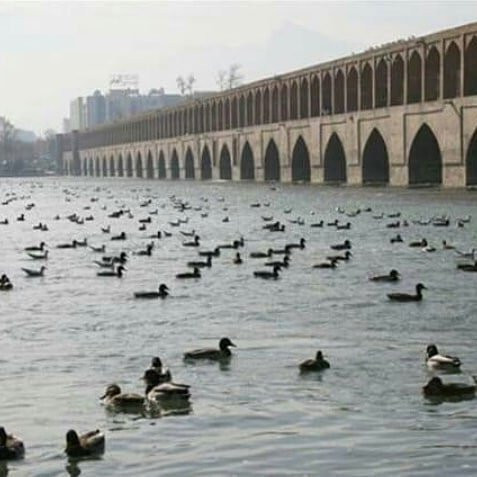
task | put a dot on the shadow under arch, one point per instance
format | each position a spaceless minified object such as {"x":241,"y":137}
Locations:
{"x":335,"y":161}
{"x":425,"y":161}
{"x":375,"y":160}
{"x":174,"y":165}
{"x":205,"y":165}
{"x":161,"y":166}
{"x":471,"y":161}
{"x":225,"y":164}
{"x":271,"y":162}
{"x":300,"y":167}
{"x":247,"y":164}
{"x":189,"y":165}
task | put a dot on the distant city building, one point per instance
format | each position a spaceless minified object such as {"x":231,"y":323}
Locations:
{"x":66,"y":125}
{"x":95,"y":110}
{"x":77,"y":116}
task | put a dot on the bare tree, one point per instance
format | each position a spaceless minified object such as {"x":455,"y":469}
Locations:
{"x":234,"y":78}
{"x":190,"y":83}
{"x":181,"y":85}
{"x":221,"y":79}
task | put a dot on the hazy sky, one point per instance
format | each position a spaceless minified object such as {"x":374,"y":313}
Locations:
{"x":52,"y":52}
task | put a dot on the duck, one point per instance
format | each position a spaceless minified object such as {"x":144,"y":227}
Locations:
{"x":300,"y":245}
{"x":447,"y":246}
{"x":329,"y":264}
{"x":73,"y":244}
{"x":5,"y":283}
{"x":435,"y":388}
{"x":164,"y":374}
{"x":467,"y":267}
{"x":194,"y":243}
{"x":392,"y":276}
{"x":34,"y":248}
{"x":317,"y":364}
{"x":121,"y":236}
{"x":185,"y":275}
{"x":285,"y":263}
{"x":212,"y":353}
{"x":343,"y":258}
{"x":147,"y":252}
{"x":346,"y":226}
{"x":434,"y":360}
{"x":346,"y":245}
{"x":470,"y":254}
{"x":238,"y":259}
{"x":418,"y":243}
{"x":88,"y":444}
{"x":157,"y":235}
{"x":11,"y":447}
{"x":317,"y":224}
{"x":112,"y":273}
{"x":396,"y":239}
{"x":195,"y":264}
{"x":429,"y":249}
{"x":34,"y":273}
{"x":113,"y":397}
{"x":266,"y":254}
{"x":211,"y":253}
{"x":158,"y":390}
{"x":188,"y":234}
{"x":265,"y":274}
{"x":406,"y":297}
{"x":38,"y":256}
{"x":106,"y":230}
{"x":163,"y":292}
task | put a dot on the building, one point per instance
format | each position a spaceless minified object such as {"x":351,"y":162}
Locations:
{"x":95,"y":110}
{"x":77,"y":119}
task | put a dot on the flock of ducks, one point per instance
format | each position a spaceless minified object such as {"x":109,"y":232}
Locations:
{"x":161,"y":392}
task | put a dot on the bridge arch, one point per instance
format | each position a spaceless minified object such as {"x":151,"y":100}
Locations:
{"x":425,"y":161}
{"x":120,"y":166}
{"x":91,"y":167}
{"x":335,"y":161}
{"x":205,"y":165}
{"x":301,"y":170}
{"x":258,"y":107}
{"x":97,"y":171}
{"x":339,"y":92}
{"x":414,"y":74}
{"x":366,"y":87}
{"x":294,"y":100}
{"x":304,"y":95}
{"x":266,"y":106}
{"x":471,"y":161}
{"x":315,"y":96}
{"x":381,"y":84}
{"x":452,"y":71}
{"x":249,"y":109}
{"x":225,"y":164}
{"x":284,"y":103}
{"x":375,"y":160}
{"x":104,"y":163}
{"x":112,"y":168}
{"x":352,"y":90}
{"x":326,"y":93}
{"x":174,"y":165}
{"x":189,"y":165}
{"x":397,"y":81}
{"x":161,"y":166}
{"x":272,"y":162}
{"x":139,"y":168}
{"x":275,"y":104}
{"x":432,"y":75}
{"x":129,"y":166}
{"x":149,"y":166}
{"x":247,"y":163}
{"x":85,"y":166}
{"x":470,"y":68}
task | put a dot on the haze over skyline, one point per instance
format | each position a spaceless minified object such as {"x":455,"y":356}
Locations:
{"x":54,"y":52}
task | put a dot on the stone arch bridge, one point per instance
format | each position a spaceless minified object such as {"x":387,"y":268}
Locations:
{"x":401,"y":114}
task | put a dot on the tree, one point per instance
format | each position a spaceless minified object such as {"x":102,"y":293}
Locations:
{"x":181,"y":85}
{"x":234,"y":78}
{"x":221,"y":79}
{"x":190,"y":83}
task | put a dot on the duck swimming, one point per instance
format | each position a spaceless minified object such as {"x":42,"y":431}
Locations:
{"x":343,"y":258}
{"x":73,"y":244}
{"x":5,"y":283}
{"x":33,"y":248}
{"x":317,"y":364}
{"x":164,"y":374}
{"x":91,"y":443}
{"x":267,"y":254}
{"x":285,"y":263}
{"x":406,"y":297}
{"x":238,"y":259}
{"x":212,"y":353}
{"x":194,"y":243}
{"x":163,"y":292}
{"x":396,"y":239}
{"x":330,"y":264}
{"x":157,"y":390}
{"x":194,"y":274}
{"x":207,"y":263}
{"x":467,"y":267}
{"x":112,"y":273}
{"x":38,"y":256}
{"x":346,"y":245}
{"x":113,"y":397}
{"x":434,"y":360}
{"x":210,"y":253}
{"x":418,"y":243}
{"x":11,"y":447}
{"x":121,"y":236}
{"x":435,"y":388}
{"x":392,"y":276}
{"x":265,"y":274}
{"x":34,"y":273}
{"x":300,"y":245}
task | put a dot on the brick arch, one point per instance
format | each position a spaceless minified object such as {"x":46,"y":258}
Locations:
{"x":432,"y":76}
{"x":381,"y":84}
{"x":271,"y":165}
{"x":366,"y":87}
{"x":112,"y":166}
{"x":174,"y":165}
{"x":326,"y":95}
{"x":120,"y":166}
{"x":149,"y":166}
{"x":225,"y":164}
{"x":352,"y":90}
{"x":161,"y":166}
{"x":375,"y":160}
{"x":300,"y":166}
{"x":85,"y":166}
{"x":294,"y":100}
{"x":471,"y":161}
{"x":138,"y":165}
{"x":397,"y":81}
{"x":97,"y":167}
{"x":335,"y":161}
{"x":189,"y":165}
{"x":339,"y":86}
{"x":452,"y":71}
{"x":129,"y":165}
{"x":247,"y":163}
{"x":205,"y":164}
{"x":414,"y":74}
{"x":104,"y":166}
{"x":470,"y":68}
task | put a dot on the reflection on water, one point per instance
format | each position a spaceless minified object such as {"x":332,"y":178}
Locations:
{"x":65,"y":336}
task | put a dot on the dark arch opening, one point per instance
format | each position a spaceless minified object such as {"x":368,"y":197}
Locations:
{"x":470,"y":68}
{"x":85,"y":166}
{"x":139,"y":172}
{"x":326,"y":95}
{"x":234,"y":112}
{"x":366,"y":87}
{"x":275,"y":104}
{"x":304,"y":98}
{"x":91,"y":167}
{"x":397,"y":81}
{"x":339,"y":92}
{"x":335,"y":161}
{"x":97,"y":167}
{"x":452,"y":71}
{"x":414,"y":74}
{"x":294,"y":100}
{"x":284,"y":103}
{"x":205,"y":165}
{"x":174,"y":165}
{"x":247,"y":164}
{"x":381,"y":85}
{"x":266,"y":106}
{"x":120,"y":166}
{"x":301,"y":170}
{"x":249,"y":109}
{"x":149,"y":166}
{"x":352,"y":90}
{"x":112,"y":169}
{"x":431,"y":79}
{"x":189,"y":165}
{"x":272,"y":162}
{"x":315,"y":96}
{"x":129,"y":166}
{"x":161,"y":166}
{"x":105,"y":166}
{"x":241,"y":111}
{"x":258,"y":107}
{"x":471,"y":161}
{"x":375,"y":160}
{"x":425,"y":163}
{"x":225,"y":164}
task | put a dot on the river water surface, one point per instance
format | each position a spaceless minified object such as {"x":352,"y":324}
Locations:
{"x":65,"y":336}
